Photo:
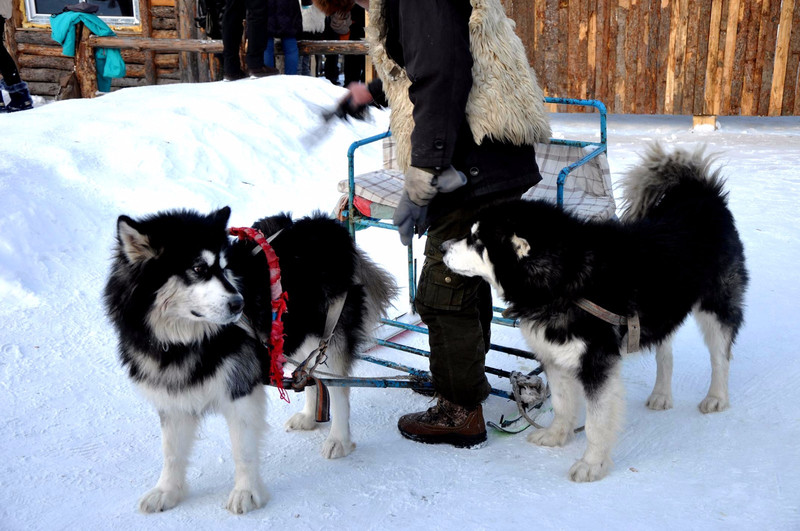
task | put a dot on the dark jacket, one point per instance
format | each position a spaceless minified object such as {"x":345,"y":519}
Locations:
{"x":284,"y":18}
{"x":430,"y":40}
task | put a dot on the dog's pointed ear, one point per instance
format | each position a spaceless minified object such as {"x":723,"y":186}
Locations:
{"x":221,"y":216}
{"x":521,"y":246}
{"x":135,"y":244}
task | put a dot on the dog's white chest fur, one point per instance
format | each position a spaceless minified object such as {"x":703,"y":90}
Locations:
{"x":567,"y":355}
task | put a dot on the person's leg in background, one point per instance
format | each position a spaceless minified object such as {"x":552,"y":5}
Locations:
{"x":291,"y":56}
{"x":17,"y":89}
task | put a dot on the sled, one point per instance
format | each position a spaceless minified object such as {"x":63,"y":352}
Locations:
{"x":575,"y":176}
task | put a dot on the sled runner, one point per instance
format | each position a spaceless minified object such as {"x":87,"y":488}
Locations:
{"x":575,"y":175}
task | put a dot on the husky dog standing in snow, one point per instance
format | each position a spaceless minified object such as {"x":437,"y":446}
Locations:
{"x":177,"y":294}
{"x":676,"y":252}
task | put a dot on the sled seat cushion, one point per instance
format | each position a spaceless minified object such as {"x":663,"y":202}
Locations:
{"x":587,"y":188}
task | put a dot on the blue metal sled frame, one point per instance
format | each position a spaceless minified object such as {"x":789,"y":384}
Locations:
{"x":355,"y":221}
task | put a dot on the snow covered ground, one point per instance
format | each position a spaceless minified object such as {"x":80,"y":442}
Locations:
{"x":79,"y":446}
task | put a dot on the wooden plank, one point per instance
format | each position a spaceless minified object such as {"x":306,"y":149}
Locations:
{"x":537,"y":54}
{"x":646,"y":75}
{"x":737,"y":72}
{"x":602,"y":51}
{"x":147,"y":32}
{"x":704,"y":57}
{"x":732,"y":26}
{"x":43,"y":88}
{"x":215,"y":46}
{"x":770,"y":22}
{"x":793,"y":67}
{"x":162,"y":12}
{"x":621,"y":13}
{"x":35,"y":36}
{"x":164,"y":34}
{"x":549,"y":49}
{"x":562,"y":50}
{"x":691,"y":59}
{"x":42,"y":61}
{"x":664,"y":51}
{"x":583,"y":48}
{"x":164,"y":23}
{"x":38,"y":49}
{"x":749,"y":99}
{"x":84,"y":63}
{"x":591,"y":50}
{"x":49,"y":75}
{"x":651,"y":62}
{"x":711,"y":100}
{"x":669,"y":90}
{"x":681,"y":83}
{"x":632,"y":34}
{"x":164,"y":3}
{"x":184,"y":10}
{"x":781,"y":58}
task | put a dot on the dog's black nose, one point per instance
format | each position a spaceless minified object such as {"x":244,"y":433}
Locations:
{"x":236,"y":304}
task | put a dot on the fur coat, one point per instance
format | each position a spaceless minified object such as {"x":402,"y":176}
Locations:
{"x":505,"y":102}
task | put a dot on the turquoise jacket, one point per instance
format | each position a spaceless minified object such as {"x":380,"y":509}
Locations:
{"x":108,"y":61}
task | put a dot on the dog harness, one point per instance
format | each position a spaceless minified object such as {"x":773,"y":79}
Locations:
{"x":279,"y":300}
{"x":632,"y":321}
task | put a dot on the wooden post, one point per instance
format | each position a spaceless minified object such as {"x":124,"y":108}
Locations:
{"x":85,"y":67}
{"x":188,"y":61}
{"x":704,"y":119}
{"x":147,"y":31}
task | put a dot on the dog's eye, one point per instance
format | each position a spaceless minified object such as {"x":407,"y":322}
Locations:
{"x":201,"y":270}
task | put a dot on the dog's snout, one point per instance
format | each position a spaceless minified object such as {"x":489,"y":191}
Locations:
{"x":236,"y":304}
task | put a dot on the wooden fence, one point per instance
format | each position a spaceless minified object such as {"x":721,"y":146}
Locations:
{"x":722,"y":57}
{"x":696,"y":57}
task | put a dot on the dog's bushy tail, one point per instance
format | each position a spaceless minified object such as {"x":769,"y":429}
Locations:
{"x":659,"y":171}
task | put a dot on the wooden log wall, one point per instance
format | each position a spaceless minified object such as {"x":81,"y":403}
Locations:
{"x":719,"y":57}
{"x":45,"y":69}
{"x":695,"y":57}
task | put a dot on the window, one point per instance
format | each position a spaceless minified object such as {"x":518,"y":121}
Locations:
{"x":112,"y":12}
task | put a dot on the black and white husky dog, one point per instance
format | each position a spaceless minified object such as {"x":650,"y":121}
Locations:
{"x":177,"y":294}
{"x":675,"y":252}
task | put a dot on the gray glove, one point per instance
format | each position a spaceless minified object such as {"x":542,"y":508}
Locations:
{"x":421,"y":185}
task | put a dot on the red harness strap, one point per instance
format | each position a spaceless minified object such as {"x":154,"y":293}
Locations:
{"x":279,"y":300}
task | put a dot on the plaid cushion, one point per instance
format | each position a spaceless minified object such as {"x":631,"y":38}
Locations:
{"x":587,"y":188}
{"x":390,"y":153}
{"x":380,"y":186}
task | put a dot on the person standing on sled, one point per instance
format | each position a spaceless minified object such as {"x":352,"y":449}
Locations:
{"x":466,"y":110}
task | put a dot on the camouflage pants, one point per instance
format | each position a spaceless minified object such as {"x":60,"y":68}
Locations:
{"x":458,"y":313}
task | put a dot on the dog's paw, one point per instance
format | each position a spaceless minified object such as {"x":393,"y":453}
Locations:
{"x":713,"y":404}
{"x":158,"y":499}
{"x":552,"y":436}
{"x":659,"y":402}
{"x":243,"y":501}
{"x":582,"y":472}
{"x":334,"y":448}
{"x":300,"y":422}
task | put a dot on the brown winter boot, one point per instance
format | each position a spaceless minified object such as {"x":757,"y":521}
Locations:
{"x":445,"y":423}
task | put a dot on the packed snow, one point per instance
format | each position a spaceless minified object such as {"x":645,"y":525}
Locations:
{"x":79,"y":445}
